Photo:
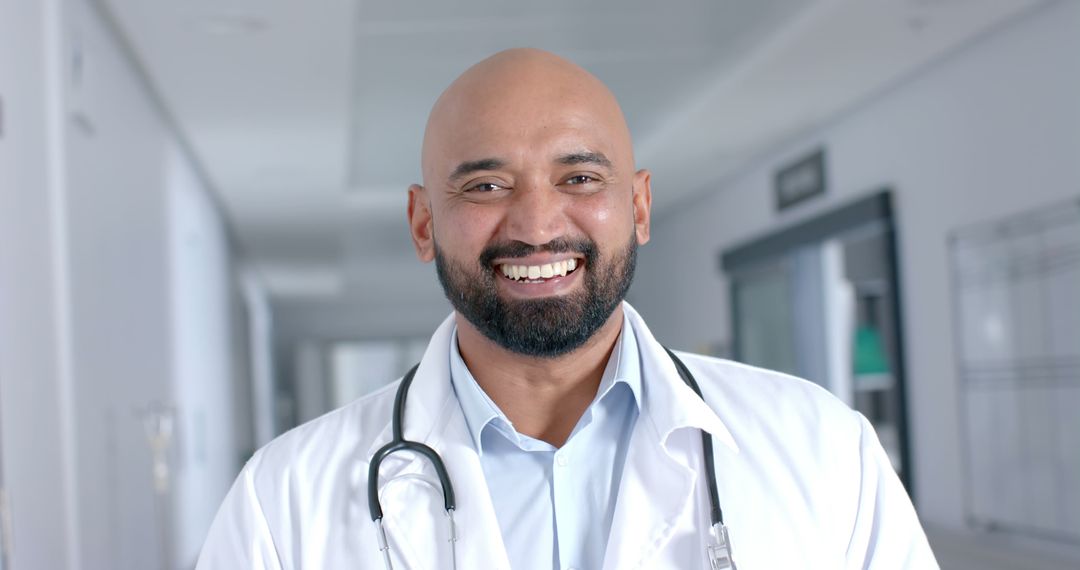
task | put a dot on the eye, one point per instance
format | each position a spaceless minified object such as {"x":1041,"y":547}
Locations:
{"x":580,"y":179}
{"x":483,"y":187}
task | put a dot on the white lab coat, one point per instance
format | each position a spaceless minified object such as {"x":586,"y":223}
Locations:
{"x":803,"y":481}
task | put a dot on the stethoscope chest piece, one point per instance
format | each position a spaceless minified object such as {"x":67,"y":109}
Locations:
{"x":719,"y":549}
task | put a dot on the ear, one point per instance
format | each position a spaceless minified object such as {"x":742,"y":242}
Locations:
{"x":420,"y":225}
{"x":642,"y":204}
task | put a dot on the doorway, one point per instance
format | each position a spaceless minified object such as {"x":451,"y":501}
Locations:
{"x":821,"y":300}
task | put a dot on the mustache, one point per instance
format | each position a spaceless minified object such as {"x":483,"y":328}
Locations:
{"x":514,"y":248}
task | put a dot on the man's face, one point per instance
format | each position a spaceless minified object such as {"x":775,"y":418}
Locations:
{"x":532,"y":211}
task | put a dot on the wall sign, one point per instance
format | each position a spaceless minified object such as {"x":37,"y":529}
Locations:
{"x":800,"y":180}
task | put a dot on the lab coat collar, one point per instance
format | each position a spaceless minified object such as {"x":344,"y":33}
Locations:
{"x":426,"y":398}
{"x":672,"y":405}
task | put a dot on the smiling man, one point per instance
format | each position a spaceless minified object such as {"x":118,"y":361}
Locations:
{"x":546,"y":427}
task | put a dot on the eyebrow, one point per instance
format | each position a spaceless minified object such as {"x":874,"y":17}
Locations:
{"x":596,"y":158}
{"x":584,"y":157}
{"x":470,"y":166}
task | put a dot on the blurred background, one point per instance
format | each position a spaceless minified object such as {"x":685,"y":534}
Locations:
{"x":203,"y":240}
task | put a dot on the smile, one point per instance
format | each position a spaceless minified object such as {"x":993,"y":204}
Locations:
{"x":538,"y":273}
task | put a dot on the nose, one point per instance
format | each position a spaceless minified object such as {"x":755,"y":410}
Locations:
{"x":537,"y":213}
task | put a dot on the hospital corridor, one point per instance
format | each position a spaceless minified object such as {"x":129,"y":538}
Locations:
{"x":208,"y":238}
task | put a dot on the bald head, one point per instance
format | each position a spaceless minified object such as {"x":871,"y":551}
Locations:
{"x":517,"y":93}
{"x":526,"y":147}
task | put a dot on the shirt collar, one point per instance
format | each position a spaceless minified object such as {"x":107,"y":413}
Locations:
{"x":478,"y":408}
{"x":623,"y":366}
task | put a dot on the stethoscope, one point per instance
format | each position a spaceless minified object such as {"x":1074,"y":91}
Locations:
{"x":718,"y":549}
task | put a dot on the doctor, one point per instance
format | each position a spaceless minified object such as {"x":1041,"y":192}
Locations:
{"x":567,"y":434}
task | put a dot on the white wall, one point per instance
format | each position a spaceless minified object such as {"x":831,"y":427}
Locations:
{"x":117,"y":148}
{"x":116,"y":292}
{"x":34,"y":391}
{"x":203,"y":387}
{"x":992,"y":130}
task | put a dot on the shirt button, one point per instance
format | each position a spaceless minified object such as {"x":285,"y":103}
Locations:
{"x":562,"y":461}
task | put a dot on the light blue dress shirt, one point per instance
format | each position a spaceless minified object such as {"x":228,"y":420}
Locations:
{"x":555,"y":505}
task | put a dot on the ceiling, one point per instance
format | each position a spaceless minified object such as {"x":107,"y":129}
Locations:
{"x":307,"y":116}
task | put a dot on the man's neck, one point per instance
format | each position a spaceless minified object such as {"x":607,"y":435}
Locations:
{"x":543,"y":397}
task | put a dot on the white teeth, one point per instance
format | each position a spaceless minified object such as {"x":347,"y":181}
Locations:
{"x":533,"y":272}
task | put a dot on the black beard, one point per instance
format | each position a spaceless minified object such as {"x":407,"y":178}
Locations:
{"x":544,"y":328}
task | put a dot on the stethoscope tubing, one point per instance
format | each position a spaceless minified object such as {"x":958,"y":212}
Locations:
{"x":399,"y":443}
{"x":716,"y":514}
{"x":719,"y":552}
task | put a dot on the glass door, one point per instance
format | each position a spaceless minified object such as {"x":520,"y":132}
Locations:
{"x":764,"y":317}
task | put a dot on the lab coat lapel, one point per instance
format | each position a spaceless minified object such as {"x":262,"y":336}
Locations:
{"x":661,"y":473}
{"x":655,"y":492}
{"x":412,"y":500}
{"x":480,"y":543}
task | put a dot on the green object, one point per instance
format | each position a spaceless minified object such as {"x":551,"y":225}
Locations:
{"x":869,"y":352}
